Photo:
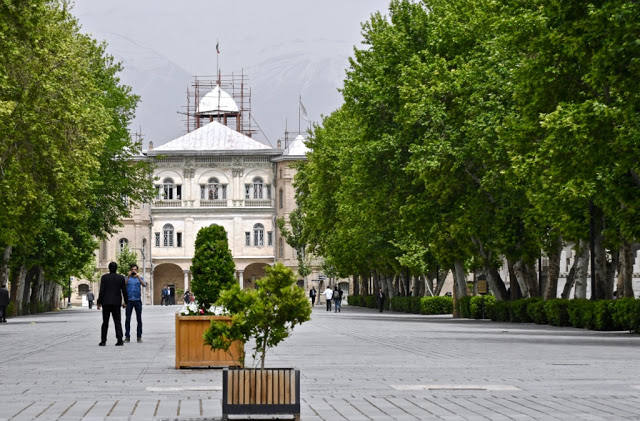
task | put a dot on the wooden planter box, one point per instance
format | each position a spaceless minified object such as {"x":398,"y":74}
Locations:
{"x":191,"y":350}
{"x":251,"y":391}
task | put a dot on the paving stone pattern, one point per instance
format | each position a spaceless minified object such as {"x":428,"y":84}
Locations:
{"x":355,"y":365}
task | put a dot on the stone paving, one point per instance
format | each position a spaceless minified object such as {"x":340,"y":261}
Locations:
{"x":355,"y":365}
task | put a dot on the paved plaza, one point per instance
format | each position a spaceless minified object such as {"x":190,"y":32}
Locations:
{"x":355,"y":365}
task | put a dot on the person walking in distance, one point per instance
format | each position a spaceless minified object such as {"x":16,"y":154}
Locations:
{"x":134,"y":292}
{"x":336,"y":299}
{"x":4,"y":303}
{"x":328,"y":295}
{"x":112,"y":292}
{"x":312,"y":295}
{"x":381,"y":298}
{"x":90,"y":298}
{"x":163,"y":300}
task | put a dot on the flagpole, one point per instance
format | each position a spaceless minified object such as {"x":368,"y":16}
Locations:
{"x":299,"y":103}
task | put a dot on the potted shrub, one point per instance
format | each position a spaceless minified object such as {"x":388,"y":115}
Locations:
{"x":213,"y":270}
{"x":267,"y":314}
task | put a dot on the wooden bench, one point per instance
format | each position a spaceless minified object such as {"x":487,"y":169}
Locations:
{"x":272,"y":391}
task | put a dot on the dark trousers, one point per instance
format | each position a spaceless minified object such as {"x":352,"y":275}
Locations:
{"x":313,"y":301}
{"x":137,"y":305}
{"x":3,"y":313}
{"x":111,"y":311}
{"x":90,"y":304}
{"x":380,"y":305}
{"x":328,"y":305}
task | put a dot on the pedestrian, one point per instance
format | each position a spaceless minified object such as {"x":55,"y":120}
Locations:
{"x":170,"y":296}
{"x":328,"y":294}
{"x":163,"y":300}
{"x":112,"y":291}
{"x":381,"y":298}
{"x":4,"y":303}
{"x":336,"y":299}
{"x":312,"y":294}
{"x":134,"y":283}
{"x":90,"y":298}
{"x":187,"y":297}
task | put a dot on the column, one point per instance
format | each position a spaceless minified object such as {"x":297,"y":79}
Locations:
{"x":241,"y":278}
{"x":186,"y":279}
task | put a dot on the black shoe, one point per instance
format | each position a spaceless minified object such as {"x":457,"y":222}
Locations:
{"x":127,"y":340}
{"x":139,"y":340}
{"x":102,"y":344}
{"x":119,"y":343}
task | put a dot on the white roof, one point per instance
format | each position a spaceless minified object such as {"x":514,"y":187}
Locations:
{"x":212,"y":137}
{"x":217,"y":102}
{"x":298,"y":147}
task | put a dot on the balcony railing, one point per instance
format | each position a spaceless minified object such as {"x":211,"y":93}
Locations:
{"x":218,"y":203}
{"x":160,"y":203}
{"x":258,"y":203}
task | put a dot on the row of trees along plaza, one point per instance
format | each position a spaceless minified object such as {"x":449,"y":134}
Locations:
{"x":66,"y":170}
{"x":475,"y":133}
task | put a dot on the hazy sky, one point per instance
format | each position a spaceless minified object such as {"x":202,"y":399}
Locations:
{"x":287,"y":47}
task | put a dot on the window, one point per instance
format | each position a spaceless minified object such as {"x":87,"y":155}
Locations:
{"x":281,"y":248}
{"x":223,"y":188}
{"x":257,"y":188}
{"x":167,"y":238}
{"x":247,"y":238}
{"x":213,"y":187}
{"x":281,"y":198}
{"x":268,"y":190}
{"x":157,"y":234}
{"x":258,"y":235}
{"x":179,"y":239}
{"x":247,"y":191}
{"x":269,"y":238}
{"x":83,"y":289}
{"x":122,"y":244}
{"x":168,"y":188}
{"x":203,"y":190}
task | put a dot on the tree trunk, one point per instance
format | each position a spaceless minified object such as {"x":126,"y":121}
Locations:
{"x":625,"y":273}
{"x":460,"y":282}
{"x":496,"y":283}
{"x":600,"y":256}
{"x":581,"y":265}
{"x":4,"y":265}
{"x":613,"y":266}
{"x":518,"y":271}
{"x":514,"y":287}
{"x":531,"y":277}
{"x":35,"y":290}
{"x":19,"y":279}
{"x":356,"y":285}
{"x":551,"y":290}
{"x":571,"y":279}
{"x":440,"y":284}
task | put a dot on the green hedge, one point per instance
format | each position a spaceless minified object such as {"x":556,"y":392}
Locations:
{"x":415,"y":305}
{"x":622,"y":314}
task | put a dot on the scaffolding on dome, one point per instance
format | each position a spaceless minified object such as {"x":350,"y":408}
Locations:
{"x":237,"y":87}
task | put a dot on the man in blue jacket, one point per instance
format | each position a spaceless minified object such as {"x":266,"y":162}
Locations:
{"x":134,"y":291}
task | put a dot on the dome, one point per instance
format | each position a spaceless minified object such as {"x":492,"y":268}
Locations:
{"x":298,"y":147}
{"x":217,"y":102}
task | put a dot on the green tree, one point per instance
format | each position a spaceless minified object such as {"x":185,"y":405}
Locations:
{"x":268,"y":314}
{"x":126,"y":257}
{"x":212,"y":267}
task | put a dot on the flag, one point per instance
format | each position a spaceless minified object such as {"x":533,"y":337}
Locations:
{"x":303,"y":111}
{"x":217,"y":46}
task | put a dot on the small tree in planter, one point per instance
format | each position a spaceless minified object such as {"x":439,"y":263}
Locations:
{"x":268,"y":313}
{"x":212,"y":266}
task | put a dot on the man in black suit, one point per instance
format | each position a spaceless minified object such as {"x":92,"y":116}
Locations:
{"x":112,"y":292}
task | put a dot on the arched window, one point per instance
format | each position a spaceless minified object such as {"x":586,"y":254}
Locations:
{"x":213,"y":186}
{"x":257,"y":188}
{"x":167,"y":235}
{"x":122,"y":244}
{"x":258,"y":235}
{"x":168,"y":187}
{"x":83,"y":289}
{"x":281,"y":198}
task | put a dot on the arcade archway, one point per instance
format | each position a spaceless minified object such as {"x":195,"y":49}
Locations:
{"x":252,"y":273}
{"x":167,"y":274}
